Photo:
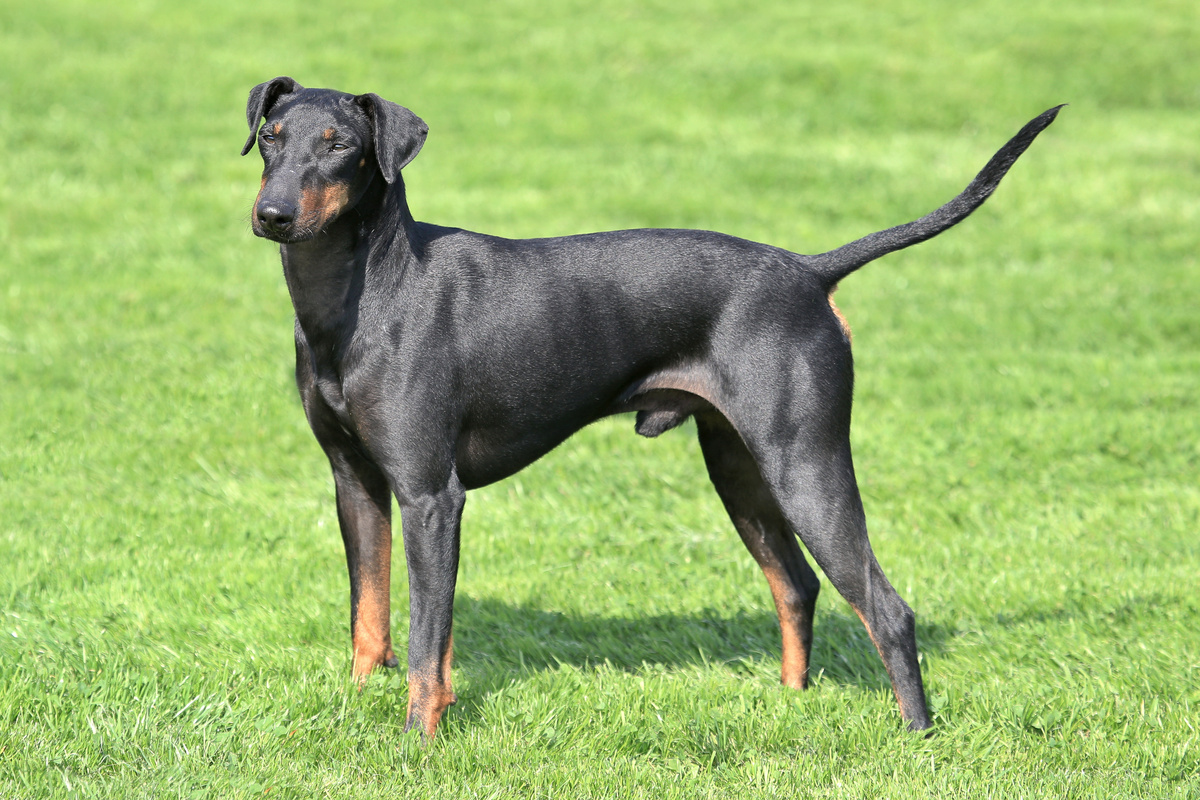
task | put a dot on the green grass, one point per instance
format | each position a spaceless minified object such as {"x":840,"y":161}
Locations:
{"x":173,"y":600}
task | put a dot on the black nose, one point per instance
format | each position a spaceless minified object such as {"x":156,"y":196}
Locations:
{"x":276,"y":216}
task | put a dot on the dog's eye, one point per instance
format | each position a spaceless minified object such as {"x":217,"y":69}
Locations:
{"x":268,"y":137}
{"x":338,"y":147}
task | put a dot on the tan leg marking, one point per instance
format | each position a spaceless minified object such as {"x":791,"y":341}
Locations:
{"x":372,"y":620}
{"x":795,"y":659}
{"x":430,"y":696}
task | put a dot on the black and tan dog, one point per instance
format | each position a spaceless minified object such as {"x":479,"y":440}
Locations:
{"x":433,"y":360}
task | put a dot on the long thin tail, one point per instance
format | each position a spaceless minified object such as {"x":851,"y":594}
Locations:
{"x":837,"y":264}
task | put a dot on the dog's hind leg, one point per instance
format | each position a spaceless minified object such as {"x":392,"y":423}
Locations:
{"x":767,"y":536}
{"x":813,"y":481}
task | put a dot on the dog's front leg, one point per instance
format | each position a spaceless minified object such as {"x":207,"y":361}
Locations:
{"x":364,"y":505}
{"x":431,"y":523}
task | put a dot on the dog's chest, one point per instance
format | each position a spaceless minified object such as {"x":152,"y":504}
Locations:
{"x":353,"y":397}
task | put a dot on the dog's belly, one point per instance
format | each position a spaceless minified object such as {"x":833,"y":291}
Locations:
{"x":483,"y":457}
{"x":504,"y":431}
{"x":493,"y":446}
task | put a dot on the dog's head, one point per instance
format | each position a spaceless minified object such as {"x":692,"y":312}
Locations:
{"x":321,"y":149}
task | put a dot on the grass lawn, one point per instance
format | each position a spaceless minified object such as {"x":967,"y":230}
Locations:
{"x":173,"y":596}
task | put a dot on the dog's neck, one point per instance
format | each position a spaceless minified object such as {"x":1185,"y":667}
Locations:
{"x":326,"y":275}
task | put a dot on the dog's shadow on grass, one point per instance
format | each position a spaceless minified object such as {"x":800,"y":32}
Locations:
{"x":497,"y":642}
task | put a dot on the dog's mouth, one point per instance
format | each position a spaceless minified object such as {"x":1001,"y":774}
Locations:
{"x":291,"y":236}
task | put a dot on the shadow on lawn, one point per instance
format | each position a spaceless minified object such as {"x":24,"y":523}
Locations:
{"x":497,"y":642}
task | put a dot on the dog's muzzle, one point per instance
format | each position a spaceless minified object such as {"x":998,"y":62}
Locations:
{"x":275,"y":219}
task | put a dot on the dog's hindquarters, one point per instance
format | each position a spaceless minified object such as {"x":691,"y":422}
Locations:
{"x":790,"y":474}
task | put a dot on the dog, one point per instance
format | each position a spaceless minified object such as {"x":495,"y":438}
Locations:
{"x":432,"y":360}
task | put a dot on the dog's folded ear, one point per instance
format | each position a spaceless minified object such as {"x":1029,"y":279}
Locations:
{"x":262,"y":97}
{"x":398,"y":133}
